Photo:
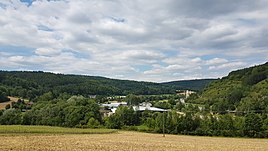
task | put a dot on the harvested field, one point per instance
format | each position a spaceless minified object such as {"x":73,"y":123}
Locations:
{"x":4,"y":104}
{"x":126,"y":141}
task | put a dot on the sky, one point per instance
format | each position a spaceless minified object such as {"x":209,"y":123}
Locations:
{"x":143,"y":40}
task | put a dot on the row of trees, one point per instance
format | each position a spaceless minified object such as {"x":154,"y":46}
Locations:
{"x":251,"y":125}
{"x":78,"y":111}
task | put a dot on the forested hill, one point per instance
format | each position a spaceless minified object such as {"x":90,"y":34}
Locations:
{"x":32,"y":84}
{"x":242,"y":90}
{"x":195,"y":85}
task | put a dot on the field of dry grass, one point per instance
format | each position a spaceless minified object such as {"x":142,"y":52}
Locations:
{"x":4,"y":104}
{"x":126,"y":141}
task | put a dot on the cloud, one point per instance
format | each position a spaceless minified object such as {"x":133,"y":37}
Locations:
{"x":216,"y":61}
{"x":46,"y":51}
{"x":153,"y":40}
{"x":230,"y":66}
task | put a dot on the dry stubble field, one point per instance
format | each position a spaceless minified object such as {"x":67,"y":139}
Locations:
{"x":3,"y":104}
{"x":126,"y":141}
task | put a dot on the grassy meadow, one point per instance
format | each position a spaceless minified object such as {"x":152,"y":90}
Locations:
{"x":6,"y":129}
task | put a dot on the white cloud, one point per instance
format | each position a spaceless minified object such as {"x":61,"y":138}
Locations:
{"x":47,"y":51}
{"x":154,"y":40}
{"x":216,"y":61}
{"x":230,"y":66}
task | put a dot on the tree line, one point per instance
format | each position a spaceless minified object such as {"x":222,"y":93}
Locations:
{"x":78,"y":111}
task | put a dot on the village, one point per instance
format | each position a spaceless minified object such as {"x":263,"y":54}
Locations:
{"x":109,"y":108}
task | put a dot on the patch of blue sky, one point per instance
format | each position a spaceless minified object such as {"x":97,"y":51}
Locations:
{"x":28,"y":2}
{"x":208,"y":57}
{"x":171,"y":53}
{"x":143,"y":68}
{"x":247,"y":22}
{"x":77,"y":54}
{"x":3,"y":6}
{"x":44,"y":28}
{"x":163,"y":64}
{"x":17,"y":50}
{"x":31,"y":67}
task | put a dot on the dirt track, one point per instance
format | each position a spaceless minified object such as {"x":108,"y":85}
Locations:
{"x":127,"y":141}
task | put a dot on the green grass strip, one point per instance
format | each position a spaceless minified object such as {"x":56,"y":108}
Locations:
{"x":51,"y":130}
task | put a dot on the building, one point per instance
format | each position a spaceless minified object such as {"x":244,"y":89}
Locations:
{"x":147,"y":106}
{"x":185,"y":93}
{"x":110,"y":108}
{"x":114,"y":104}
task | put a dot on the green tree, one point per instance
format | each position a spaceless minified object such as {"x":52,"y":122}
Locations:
{"x":93,"y":123}
{"x":132,"y":99}
{"x":253,"y":124}
{"x":227,"y":122}
{"x":255,"y":78}
{"x":73,"y":116}
{"x":235,"y":96}
{"x":46,"y":97}
{"x":124,"y":116}
{"x":10,"y":117}
{"x":114,"y":122}
{"x":3,"y":97}
{"x":163,"y":105}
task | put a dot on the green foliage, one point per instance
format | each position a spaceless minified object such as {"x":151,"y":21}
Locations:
{"x":255,"y":78}
{"x":132,"y":99}
{"x":163,"y":105}
{"x":189,"y":123}
{"x":253,"y":124}
{"x":226,"y":122}
{"x":58,"y":102}
{"x":21,"y":105}
{"x":3,"y":97}
{"x":196,"y":85}
{"x":235,"y":96}
{"x":114,"y":122}
{"x":179,"y":106}
{"x":124,"y":116}
{"x":34,"y":84}
{"x":242,"y":91}
{"x":48,"y":96}
{"x":93,"y":123}
{"x":11,"y":116}
{"x":77,"y":111}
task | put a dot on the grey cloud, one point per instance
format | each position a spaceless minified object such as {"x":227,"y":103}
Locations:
{"x":259,"y":40}
{"x":186,"y":38}
{"x":213,"y":8}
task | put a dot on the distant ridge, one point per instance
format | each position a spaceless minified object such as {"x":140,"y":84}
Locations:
{"x":196,"y":85}
{"x":30,"y":84}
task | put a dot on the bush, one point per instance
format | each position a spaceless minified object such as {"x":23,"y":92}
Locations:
{"x":93,"y":123}
{"x":11,"y":117}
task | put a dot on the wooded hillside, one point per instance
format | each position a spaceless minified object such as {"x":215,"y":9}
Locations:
{"x":32,"y":84}
{"x":242,"y":90}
